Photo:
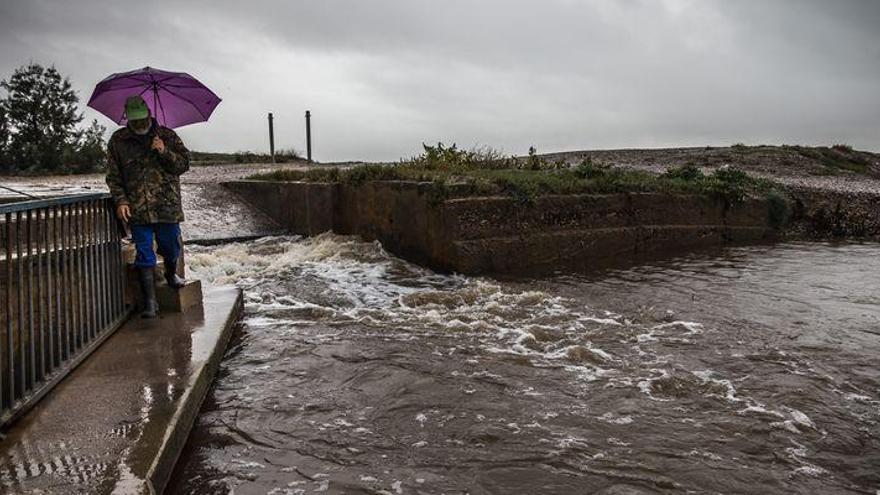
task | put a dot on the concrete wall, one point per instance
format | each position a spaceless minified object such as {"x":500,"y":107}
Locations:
{"x":499,"y":234}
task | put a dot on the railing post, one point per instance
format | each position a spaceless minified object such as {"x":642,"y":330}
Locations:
{"x":41,"y":304}
{"x":20,"y":268}
{"x":30,"y":357}
{"x":56,"y":349}
{"x":94,"y":281}
{"x":7,"y":386}
{"x":67,"y":299}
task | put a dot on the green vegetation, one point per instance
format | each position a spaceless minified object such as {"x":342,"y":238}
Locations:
{"x":201,"y":158}
{"x":835,"y":159}
{"x":488,"y":172}
{"x":38,"y":126}
{"x":777,"y":213}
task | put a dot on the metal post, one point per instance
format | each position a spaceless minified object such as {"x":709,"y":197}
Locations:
{"x":56,"y":259}
{"x":79,"y":275}
{"x":30,"y":357}
{"x":309,"y":135}
{"x":271,"y":138}
{"x":41,"y":306}
{"x":19,"y":369}
{"x":69,"y":315}
{"x":8,"y":385}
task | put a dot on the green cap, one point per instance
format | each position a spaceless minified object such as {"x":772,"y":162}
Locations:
{"x":136,"y":108}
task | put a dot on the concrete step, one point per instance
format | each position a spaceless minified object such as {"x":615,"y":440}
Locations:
{"x":170,"y":300}
{"x":118,"y":422}
{"x":179,"y":300}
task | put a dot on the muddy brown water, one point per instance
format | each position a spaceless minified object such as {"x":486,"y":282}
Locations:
{"x":743,"y":370}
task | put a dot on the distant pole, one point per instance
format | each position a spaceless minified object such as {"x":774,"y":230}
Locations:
{"x":271,"y":138}
{"x":309,"y":135}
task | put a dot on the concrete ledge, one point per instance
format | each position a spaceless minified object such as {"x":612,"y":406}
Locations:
{"x":118,"y":422}
{"x":502,"y":235}
{"x":591,"y":248}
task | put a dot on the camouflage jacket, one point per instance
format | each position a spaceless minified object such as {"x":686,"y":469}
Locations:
{"x":144,"y":179}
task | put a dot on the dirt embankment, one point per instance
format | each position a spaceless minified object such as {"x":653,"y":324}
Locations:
{"x":835,"y":191}
{"x":776,"y":161}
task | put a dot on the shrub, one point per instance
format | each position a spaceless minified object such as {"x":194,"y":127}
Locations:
{"x":451,"y":159}
{"x":534,"y":162}
{"x":777,"y":210}
{"x":588,"y":170}
{"x":729,"y":184}
{"x":688,"y":172}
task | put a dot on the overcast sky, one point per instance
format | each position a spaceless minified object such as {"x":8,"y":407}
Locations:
{"x":383,"y":76}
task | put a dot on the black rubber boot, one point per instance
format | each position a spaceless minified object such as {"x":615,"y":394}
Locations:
{"x":148,"y":290}
{"x":174,"y":280}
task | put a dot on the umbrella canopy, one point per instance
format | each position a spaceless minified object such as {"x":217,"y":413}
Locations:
{"x":175,"y":99}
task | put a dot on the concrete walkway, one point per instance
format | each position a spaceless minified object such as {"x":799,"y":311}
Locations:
{"x":118,"y":422}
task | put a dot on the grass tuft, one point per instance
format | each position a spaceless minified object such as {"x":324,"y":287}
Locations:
{"x":835,"y":159}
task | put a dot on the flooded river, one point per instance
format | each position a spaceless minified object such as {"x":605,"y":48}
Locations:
{"x":743,"y":370}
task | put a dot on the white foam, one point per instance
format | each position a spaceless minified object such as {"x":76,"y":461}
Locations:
{"x":800,"y":418}
{"x":601,"y":321}
{"x":691,"y":327}
{"x":760,"y":409}
{"x":708,"y":376}
{"x":421,"y":419}
{"x":858,"y":397}
{"x":812,"y":471}
{"x":617,"y":420}
{"x":645,"y":385}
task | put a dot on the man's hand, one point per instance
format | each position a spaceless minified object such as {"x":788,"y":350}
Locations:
{"x":123,"y":212}
{"x":158,"y":144}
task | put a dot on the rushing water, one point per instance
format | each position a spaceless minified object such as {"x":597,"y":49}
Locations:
{"x":746,"y":370}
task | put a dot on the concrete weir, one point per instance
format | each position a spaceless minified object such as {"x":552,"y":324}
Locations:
{"x":499,"y":234}
{"x":118,"y":423}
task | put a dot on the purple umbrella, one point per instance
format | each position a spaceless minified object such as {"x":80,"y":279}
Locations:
{"x":175,"y":99}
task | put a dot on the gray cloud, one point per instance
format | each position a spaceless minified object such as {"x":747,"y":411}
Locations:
{"x":382,"y":76}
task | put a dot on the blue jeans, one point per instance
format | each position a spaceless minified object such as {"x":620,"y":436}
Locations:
{"x":167,"y":238}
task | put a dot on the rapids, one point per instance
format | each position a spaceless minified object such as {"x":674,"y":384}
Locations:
{"x":742,"y":370}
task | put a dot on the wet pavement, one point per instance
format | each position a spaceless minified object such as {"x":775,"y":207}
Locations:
{"x":742,"y":370}
{"x":140,"y":386}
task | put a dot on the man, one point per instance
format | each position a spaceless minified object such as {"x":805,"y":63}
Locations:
{"x":144,"y":165}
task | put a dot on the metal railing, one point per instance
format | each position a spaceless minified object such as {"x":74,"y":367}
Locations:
{"x":62,"y":282}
